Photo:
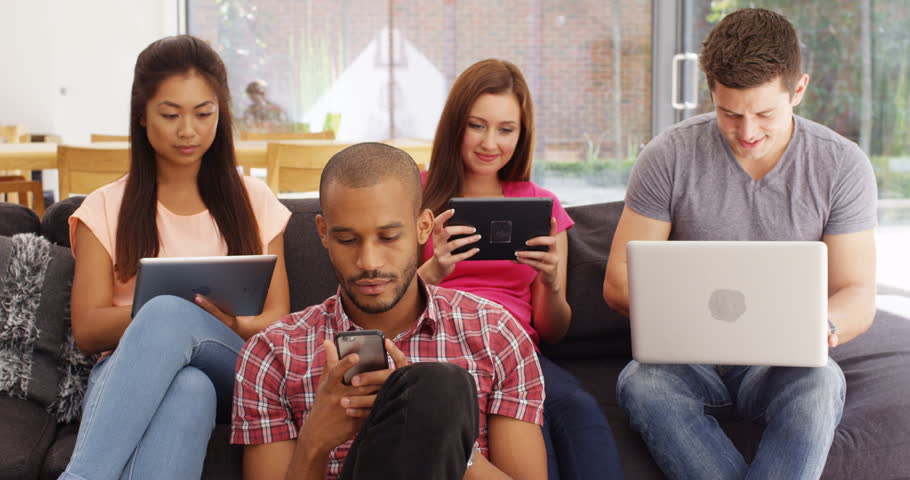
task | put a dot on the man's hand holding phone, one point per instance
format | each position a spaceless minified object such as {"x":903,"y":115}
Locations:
{"x":327,"y":424}
{"x":358,"y":406}
{"x":339,"y":409}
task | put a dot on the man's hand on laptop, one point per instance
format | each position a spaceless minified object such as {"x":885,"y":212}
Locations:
{"x":360,"y":405}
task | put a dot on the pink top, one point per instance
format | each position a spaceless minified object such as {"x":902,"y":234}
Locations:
{"x":181,"y":235}
{"x":503,"y":281}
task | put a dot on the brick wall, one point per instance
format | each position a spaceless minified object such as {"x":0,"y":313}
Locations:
{"x":564,"y":47}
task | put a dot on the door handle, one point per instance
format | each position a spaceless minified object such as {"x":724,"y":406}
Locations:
{"x":679,"y":103}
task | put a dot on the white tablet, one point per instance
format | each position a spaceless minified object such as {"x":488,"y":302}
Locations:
{"x":237,"y":284}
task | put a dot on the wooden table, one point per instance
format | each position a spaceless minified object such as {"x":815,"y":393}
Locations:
{"x":250,"y":153}
{"x":419,"y":150}
{"x":28,"y":156}
{"x":40,"y":156}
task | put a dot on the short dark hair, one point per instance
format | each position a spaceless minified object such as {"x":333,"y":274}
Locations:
{"x":751,"y":47}
{"x":368,"y":164}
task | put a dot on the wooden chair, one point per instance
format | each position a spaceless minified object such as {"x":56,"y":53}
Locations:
{"x":100,"y":137}
{"x":84,"y":169}
{"x":21,"y":187}
{"x":419,"y":150}
{"x":13,"y":134}
{"x":271,"y":136}
{"x":296,"y":167}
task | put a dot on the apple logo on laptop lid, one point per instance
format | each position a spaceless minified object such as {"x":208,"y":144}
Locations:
{"x":727,"y":305}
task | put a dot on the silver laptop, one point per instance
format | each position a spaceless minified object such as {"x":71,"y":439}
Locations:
{"x":237,"y":284}
{"x":729,"y":303}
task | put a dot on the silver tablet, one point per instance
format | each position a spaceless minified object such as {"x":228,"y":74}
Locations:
{"x":237,"y":284}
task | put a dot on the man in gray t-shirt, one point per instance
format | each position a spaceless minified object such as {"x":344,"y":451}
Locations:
{"x":689,"y":177}
{"x":752,"y":170}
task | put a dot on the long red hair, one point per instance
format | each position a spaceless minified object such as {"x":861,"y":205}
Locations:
{"x":446,"y":176}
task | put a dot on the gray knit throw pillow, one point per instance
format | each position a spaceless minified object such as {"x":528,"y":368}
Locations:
{"x":38,"y":357}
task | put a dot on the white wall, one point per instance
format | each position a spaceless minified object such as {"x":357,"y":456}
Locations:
{"x":72,"y":67}
{"x":28,"y":93}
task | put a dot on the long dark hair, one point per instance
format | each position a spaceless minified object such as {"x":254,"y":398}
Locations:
{"x":220,"y":186}
{"x":446,"y":176}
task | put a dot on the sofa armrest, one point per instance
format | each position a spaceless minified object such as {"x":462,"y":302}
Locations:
{"x":55,"y":223}
{"x":15,"y":218}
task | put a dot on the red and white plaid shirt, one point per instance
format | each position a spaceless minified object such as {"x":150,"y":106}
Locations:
{"x":278,"y":370}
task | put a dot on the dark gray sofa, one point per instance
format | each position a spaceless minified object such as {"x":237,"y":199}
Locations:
{"x":872,"y":441}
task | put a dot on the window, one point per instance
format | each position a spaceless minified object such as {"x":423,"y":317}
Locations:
{"x":587,"y":63}
{"x":855,"y":54}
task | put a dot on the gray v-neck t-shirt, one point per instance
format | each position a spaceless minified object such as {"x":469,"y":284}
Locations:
{"x":687,"y":175}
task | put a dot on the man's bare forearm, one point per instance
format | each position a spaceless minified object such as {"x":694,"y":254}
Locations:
{"x":308,"y":462}
{"x":851,"y":310}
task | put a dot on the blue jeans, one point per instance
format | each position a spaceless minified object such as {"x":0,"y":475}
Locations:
{"x":579,"y":441}
{"x":151,"y":406}
{"x":675,"y":408}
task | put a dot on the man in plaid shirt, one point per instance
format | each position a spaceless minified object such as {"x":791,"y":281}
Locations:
{"x":465,"y":376}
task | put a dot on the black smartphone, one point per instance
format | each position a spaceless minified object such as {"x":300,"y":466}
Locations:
{"x":369,"y":344}
{"x":504,"y":224}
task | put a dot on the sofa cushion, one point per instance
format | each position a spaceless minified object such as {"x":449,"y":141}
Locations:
{"x":223,"y":461}
{"x":38,"y":357}
{"x":35,"y":280}
{"x":59,"y":453}
{"x":26,"y":432}
{"x":596,"y":330}
{"x":55,"y":222}
{"x":310,"y":274}
{"x":15,"y":218}
{"x":873,"y":438}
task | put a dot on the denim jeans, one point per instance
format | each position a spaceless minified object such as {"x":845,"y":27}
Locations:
{"x":151,"y":406}
{"x":422,"y":425}
{"x":676,"y":407}
{"x":579,"y":442}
